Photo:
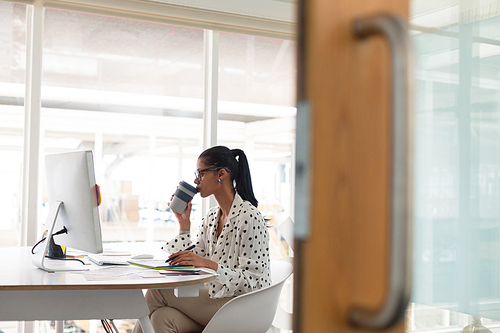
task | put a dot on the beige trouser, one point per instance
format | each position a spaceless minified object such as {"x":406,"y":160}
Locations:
{"x":171,"y":314}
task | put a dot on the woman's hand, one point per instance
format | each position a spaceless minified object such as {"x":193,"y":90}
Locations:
{"x":190,"y":258}
{"x":184,"y":219}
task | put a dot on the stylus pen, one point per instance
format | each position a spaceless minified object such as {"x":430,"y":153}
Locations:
{"x":187,"y":249}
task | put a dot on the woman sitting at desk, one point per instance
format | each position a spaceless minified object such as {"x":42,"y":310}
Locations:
{"x":233,"y":241}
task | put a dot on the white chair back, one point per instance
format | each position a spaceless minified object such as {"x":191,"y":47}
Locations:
{"x":252,"y":312}
{"x":283,"y":318}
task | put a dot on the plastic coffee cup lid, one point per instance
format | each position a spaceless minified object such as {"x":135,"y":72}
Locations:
{"x":188,"y":186}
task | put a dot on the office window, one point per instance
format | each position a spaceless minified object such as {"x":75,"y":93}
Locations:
{"x":257,"y":113}
{"x":256,"y":70}
{"x":12,"y":73}
{"x":131,"y":91}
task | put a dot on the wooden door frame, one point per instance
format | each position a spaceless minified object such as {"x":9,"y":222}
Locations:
{"x":344,"y":87}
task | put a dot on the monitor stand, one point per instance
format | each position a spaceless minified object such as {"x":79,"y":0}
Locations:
{"x":53,"y":265}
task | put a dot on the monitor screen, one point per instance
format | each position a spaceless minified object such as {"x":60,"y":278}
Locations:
{"x":73,"y":202}
{"x":71,"y":180}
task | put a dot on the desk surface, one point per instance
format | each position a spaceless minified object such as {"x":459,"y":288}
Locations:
{"x":18,"y":273}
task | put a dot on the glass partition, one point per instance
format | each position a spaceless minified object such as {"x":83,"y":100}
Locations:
{"x":457,"y":163}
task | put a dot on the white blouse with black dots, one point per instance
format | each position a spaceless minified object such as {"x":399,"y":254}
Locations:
{"x":241,"y":250}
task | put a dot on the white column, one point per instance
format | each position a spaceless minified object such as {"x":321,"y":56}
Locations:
{"x":32,"y":138}
{"x":30,"y":198}
{"x":211,"y":50}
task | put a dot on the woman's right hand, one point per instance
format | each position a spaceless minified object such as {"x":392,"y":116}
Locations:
{"x":184,"y":219}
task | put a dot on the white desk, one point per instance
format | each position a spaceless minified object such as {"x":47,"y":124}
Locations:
{"x":28,"y":293}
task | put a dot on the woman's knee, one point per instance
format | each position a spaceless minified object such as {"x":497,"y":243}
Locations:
{"x":161,"y":321}
{"x":171,"y":320}
{"x":155,"y":299}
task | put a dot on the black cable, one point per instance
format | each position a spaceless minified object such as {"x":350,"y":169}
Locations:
{"x":56,"y":258}
{"x":62,"y":231}
{"x":34,"y":246}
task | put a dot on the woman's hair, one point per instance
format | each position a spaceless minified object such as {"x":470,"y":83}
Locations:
{"x":236,"y":161}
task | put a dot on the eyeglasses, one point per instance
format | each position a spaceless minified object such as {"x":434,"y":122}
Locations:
{"x":199,"y":173}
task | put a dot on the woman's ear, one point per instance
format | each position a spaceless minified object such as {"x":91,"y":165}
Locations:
{"x":222,"y":173}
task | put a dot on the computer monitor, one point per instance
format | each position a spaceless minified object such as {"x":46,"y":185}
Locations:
{"x":73,"y":198}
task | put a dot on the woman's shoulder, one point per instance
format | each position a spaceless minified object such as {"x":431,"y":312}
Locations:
{"x":238,"y":201}
{"x":249,"y":211}
{"x":242,"y":205}
{"x":249,"y":207}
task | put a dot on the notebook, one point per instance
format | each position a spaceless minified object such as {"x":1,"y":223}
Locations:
{"x":157,"y":264}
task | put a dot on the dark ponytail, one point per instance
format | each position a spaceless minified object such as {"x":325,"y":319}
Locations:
{"x":236,"y":161}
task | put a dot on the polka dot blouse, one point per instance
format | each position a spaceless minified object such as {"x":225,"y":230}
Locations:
{"x":241,"y":250}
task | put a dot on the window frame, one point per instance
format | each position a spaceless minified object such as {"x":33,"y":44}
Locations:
{"x":31,"y":197}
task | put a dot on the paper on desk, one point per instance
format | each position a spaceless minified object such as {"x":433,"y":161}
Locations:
{"x":115,"y":273}
{"x":148,"y":274}
{"x":109,"y":273}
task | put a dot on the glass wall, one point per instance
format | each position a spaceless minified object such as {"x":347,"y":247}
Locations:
{"x":132,"y":91}
{"x":256,"y":82}
{"x":256,"y":70}
{"x":12,"y":73}
{"x":12,"y":77}
{"x":457,"y":165}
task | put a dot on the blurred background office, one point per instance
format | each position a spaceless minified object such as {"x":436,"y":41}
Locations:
{"x":146,"y":86}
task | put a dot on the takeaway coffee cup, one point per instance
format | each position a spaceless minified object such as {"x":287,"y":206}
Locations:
{"x":182,"y":196}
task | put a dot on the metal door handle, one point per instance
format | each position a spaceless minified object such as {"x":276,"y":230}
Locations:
{"x":399,"y":270}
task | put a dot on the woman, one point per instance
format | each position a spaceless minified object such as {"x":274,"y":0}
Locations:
{"x":232,"y":240}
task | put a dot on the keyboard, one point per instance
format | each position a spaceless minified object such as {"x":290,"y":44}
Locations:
{"x":108,"y":260}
